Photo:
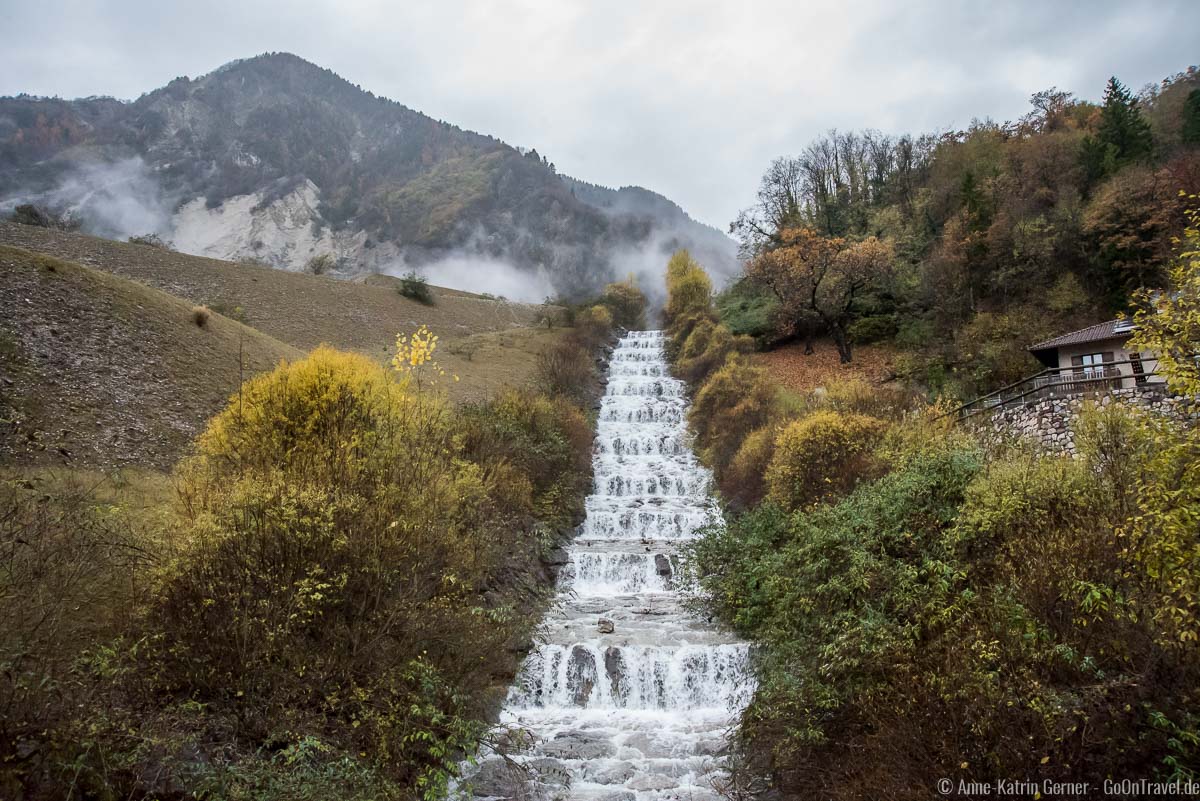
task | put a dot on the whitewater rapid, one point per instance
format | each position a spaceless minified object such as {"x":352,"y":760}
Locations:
{"x":628,"y":696}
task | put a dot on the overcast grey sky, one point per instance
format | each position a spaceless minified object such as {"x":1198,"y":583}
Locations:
{"x":691,"y":99}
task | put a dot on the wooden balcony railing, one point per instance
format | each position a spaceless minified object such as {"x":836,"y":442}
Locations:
{"x":1059,"y":382}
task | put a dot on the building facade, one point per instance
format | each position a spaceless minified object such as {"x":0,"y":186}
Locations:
{"x":1096,"y":358}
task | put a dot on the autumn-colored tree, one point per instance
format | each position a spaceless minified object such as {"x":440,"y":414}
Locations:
{"x":1168,"y":323}
{"x":1132,"y":220}
{"x":819,"y":280}
{"x":627,"y":304}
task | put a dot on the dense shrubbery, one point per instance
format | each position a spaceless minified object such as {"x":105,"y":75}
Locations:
{"x":735,"y":400}
{"x":547,"y":440}
{"x":74,"y":562}
{"x":627,"y":304}
{"x":750,"y":309}
{"x":332,"y":609}
{"x":961,"y":616}
{"x":568,"y":368}
{"x":927,"y":607}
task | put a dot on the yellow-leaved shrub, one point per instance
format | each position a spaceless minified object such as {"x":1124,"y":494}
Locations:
{"x":340,"y":540}
{"x":735,"y":400}
{"x":741,"y":481}
{"x":821,"y":456}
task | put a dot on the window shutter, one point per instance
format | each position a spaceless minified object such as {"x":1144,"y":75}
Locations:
{"x":1107,"y":356}
{"x":1077,"y":361}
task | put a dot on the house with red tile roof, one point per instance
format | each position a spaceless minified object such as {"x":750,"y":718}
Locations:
{"x":1100,"y":351}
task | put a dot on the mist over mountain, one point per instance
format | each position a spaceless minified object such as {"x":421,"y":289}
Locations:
{"x":277,"y":160}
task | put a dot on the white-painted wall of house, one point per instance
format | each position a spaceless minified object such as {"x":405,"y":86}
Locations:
{"x":1119,"y":346}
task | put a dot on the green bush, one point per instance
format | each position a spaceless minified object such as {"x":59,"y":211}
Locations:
{"x":749,"y":309}
{"x":548,"y":442}
{"x":866,"y":330}
{"x":741,"y":481}
{"x":414,"y":287}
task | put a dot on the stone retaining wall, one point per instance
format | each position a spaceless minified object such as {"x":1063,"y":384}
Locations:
{"x":1048,"y":422}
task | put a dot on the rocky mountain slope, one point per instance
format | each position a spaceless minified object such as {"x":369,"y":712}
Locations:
{"x":275,"y":159}
{"x":102,"y":371}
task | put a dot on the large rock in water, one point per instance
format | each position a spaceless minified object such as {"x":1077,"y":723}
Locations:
{"x":497,"y":778}
{"x":582,"y":674}
{"x":578,"y":745}
{"x":614,"y":668}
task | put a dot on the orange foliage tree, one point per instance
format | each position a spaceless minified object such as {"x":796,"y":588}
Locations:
{"x":819,"y":280}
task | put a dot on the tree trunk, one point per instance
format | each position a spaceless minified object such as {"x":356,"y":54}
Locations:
{"x":801,"y":329}
{"x":842,"y":342}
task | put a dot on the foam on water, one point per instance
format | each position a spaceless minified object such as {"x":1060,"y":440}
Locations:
{"x":634,"y":708}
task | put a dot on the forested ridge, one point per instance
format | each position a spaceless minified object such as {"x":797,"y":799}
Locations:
{"x":932,"y":603}
{"x":963,"y":248}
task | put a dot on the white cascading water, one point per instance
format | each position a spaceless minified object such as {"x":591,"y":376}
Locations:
{"x":629,"y":697}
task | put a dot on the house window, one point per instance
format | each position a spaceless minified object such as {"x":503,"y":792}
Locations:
{"x":1091,"y":365}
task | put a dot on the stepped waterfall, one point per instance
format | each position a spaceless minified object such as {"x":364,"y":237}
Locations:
{"x":628,"y":697}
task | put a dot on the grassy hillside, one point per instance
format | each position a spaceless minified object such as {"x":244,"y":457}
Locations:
{"x":102,"y":371}
{"x":488,"y":343}
{"x":98,"y":342}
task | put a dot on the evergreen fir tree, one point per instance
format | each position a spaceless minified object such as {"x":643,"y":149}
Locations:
{"x":1191,"y":118}
{"x":1122,"y":124}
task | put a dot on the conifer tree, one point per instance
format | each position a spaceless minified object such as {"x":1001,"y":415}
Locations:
{"x":1124,"y":134}
{"x":1122,"y":125}
{"x":1191,"y":118}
